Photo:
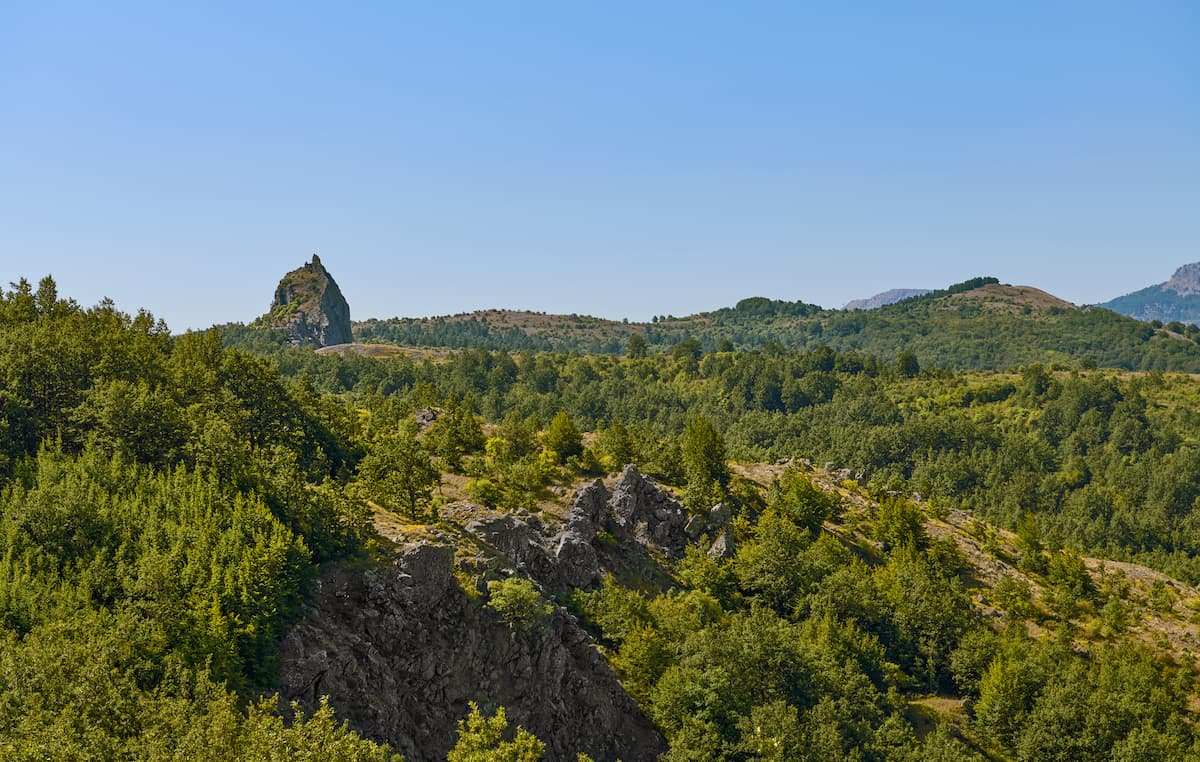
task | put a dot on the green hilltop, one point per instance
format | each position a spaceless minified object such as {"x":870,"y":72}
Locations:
{"x":975,"y":325}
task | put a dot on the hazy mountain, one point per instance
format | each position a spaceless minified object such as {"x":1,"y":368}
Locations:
{"x":1177,"y":299}
{"x":887,"y":297}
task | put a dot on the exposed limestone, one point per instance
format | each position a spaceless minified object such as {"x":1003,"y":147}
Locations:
{"x":723,"y":546}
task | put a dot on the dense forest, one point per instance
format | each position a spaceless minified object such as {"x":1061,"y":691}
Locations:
{"x":1104,"y":461}
{"x":167,"y":504}
{"x":977,"y":325}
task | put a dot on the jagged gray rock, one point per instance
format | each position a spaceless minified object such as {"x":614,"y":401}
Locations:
{"x":578,"y":562}
{"x":400,"y":652}
{"x":648,"y":514}
{"x":636,"y":515}
{"x":309,"y":306}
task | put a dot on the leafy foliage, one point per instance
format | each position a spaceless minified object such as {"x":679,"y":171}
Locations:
{"x":153,"y":549}
{"x":481,"y":739}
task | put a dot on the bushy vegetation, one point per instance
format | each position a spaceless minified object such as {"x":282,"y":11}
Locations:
{"x":166,"y":502}
{"x":802,"y":647}
{"x":944,"y":328}
{"x":163,"y":506}
{"x":1098,"y":460}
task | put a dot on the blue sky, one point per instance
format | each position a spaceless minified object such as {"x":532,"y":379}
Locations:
{"x":611,"y":158}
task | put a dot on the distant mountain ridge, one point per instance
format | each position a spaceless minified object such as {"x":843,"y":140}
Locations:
{"x":885,"y":298}
{"x":1176,"y":300}
{"x":979,"y":324}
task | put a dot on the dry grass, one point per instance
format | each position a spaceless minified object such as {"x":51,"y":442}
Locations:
{"x":1012,"y":299}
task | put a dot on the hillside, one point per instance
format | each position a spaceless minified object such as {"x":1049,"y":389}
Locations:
{"x":976,"y":325}
{"x":752,"y":556}
{"x":1177,"y":300}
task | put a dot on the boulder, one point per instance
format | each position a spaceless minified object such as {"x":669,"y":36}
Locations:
{"x":647,"y":514}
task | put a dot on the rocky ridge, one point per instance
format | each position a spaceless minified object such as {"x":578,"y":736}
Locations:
{"x":884,"y":299}
{"x":617,"y":532}
{"x":310,"y":308}
{"x":1176,"y":299}
{"x":1185,"y":281}
{"x":402,"y":649}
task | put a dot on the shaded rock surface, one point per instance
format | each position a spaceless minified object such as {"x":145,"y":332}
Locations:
{"x":309,"y":306}
{"x":401,"y":651}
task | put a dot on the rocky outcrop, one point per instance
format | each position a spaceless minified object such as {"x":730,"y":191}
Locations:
{"x":1177,"y":299}
{"x":649,"y":515}
{"x":1185,"y":281}
{"x":309,"y":306}
{"x":401,"y":650}
{"x":622,"y":533}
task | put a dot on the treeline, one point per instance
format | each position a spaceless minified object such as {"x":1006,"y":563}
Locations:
{"x":943,"y":328}
{"x":164,"y":503}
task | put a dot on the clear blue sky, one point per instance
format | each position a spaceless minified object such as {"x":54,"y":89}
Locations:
{"x":611,"y":158}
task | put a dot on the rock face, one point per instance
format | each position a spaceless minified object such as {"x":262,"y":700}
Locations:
{"x":400,"y":652}
{"x":649,"y":515}
{"x":309,"y":306}
{"x":1177,"y":299}
{"x":1185,"y":281}
{"x":884,"y":299}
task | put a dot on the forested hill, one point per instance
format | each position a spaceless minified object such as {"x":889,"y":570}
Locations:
{"x":186,"y":527}
{"x":977,"y":325}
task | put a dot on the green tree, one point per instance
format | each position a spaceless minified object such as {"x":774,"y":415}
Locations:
{"x":519,"y":604}
{"x":704,"y":464}
{"x":636,"y":347}
{"x":907,"y":365}
{"x":398,"y":474}
{"x":794,"y":496}
{"x":562,"y":438}
{"x":481,"y":739}
{"x":899,"y":524}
